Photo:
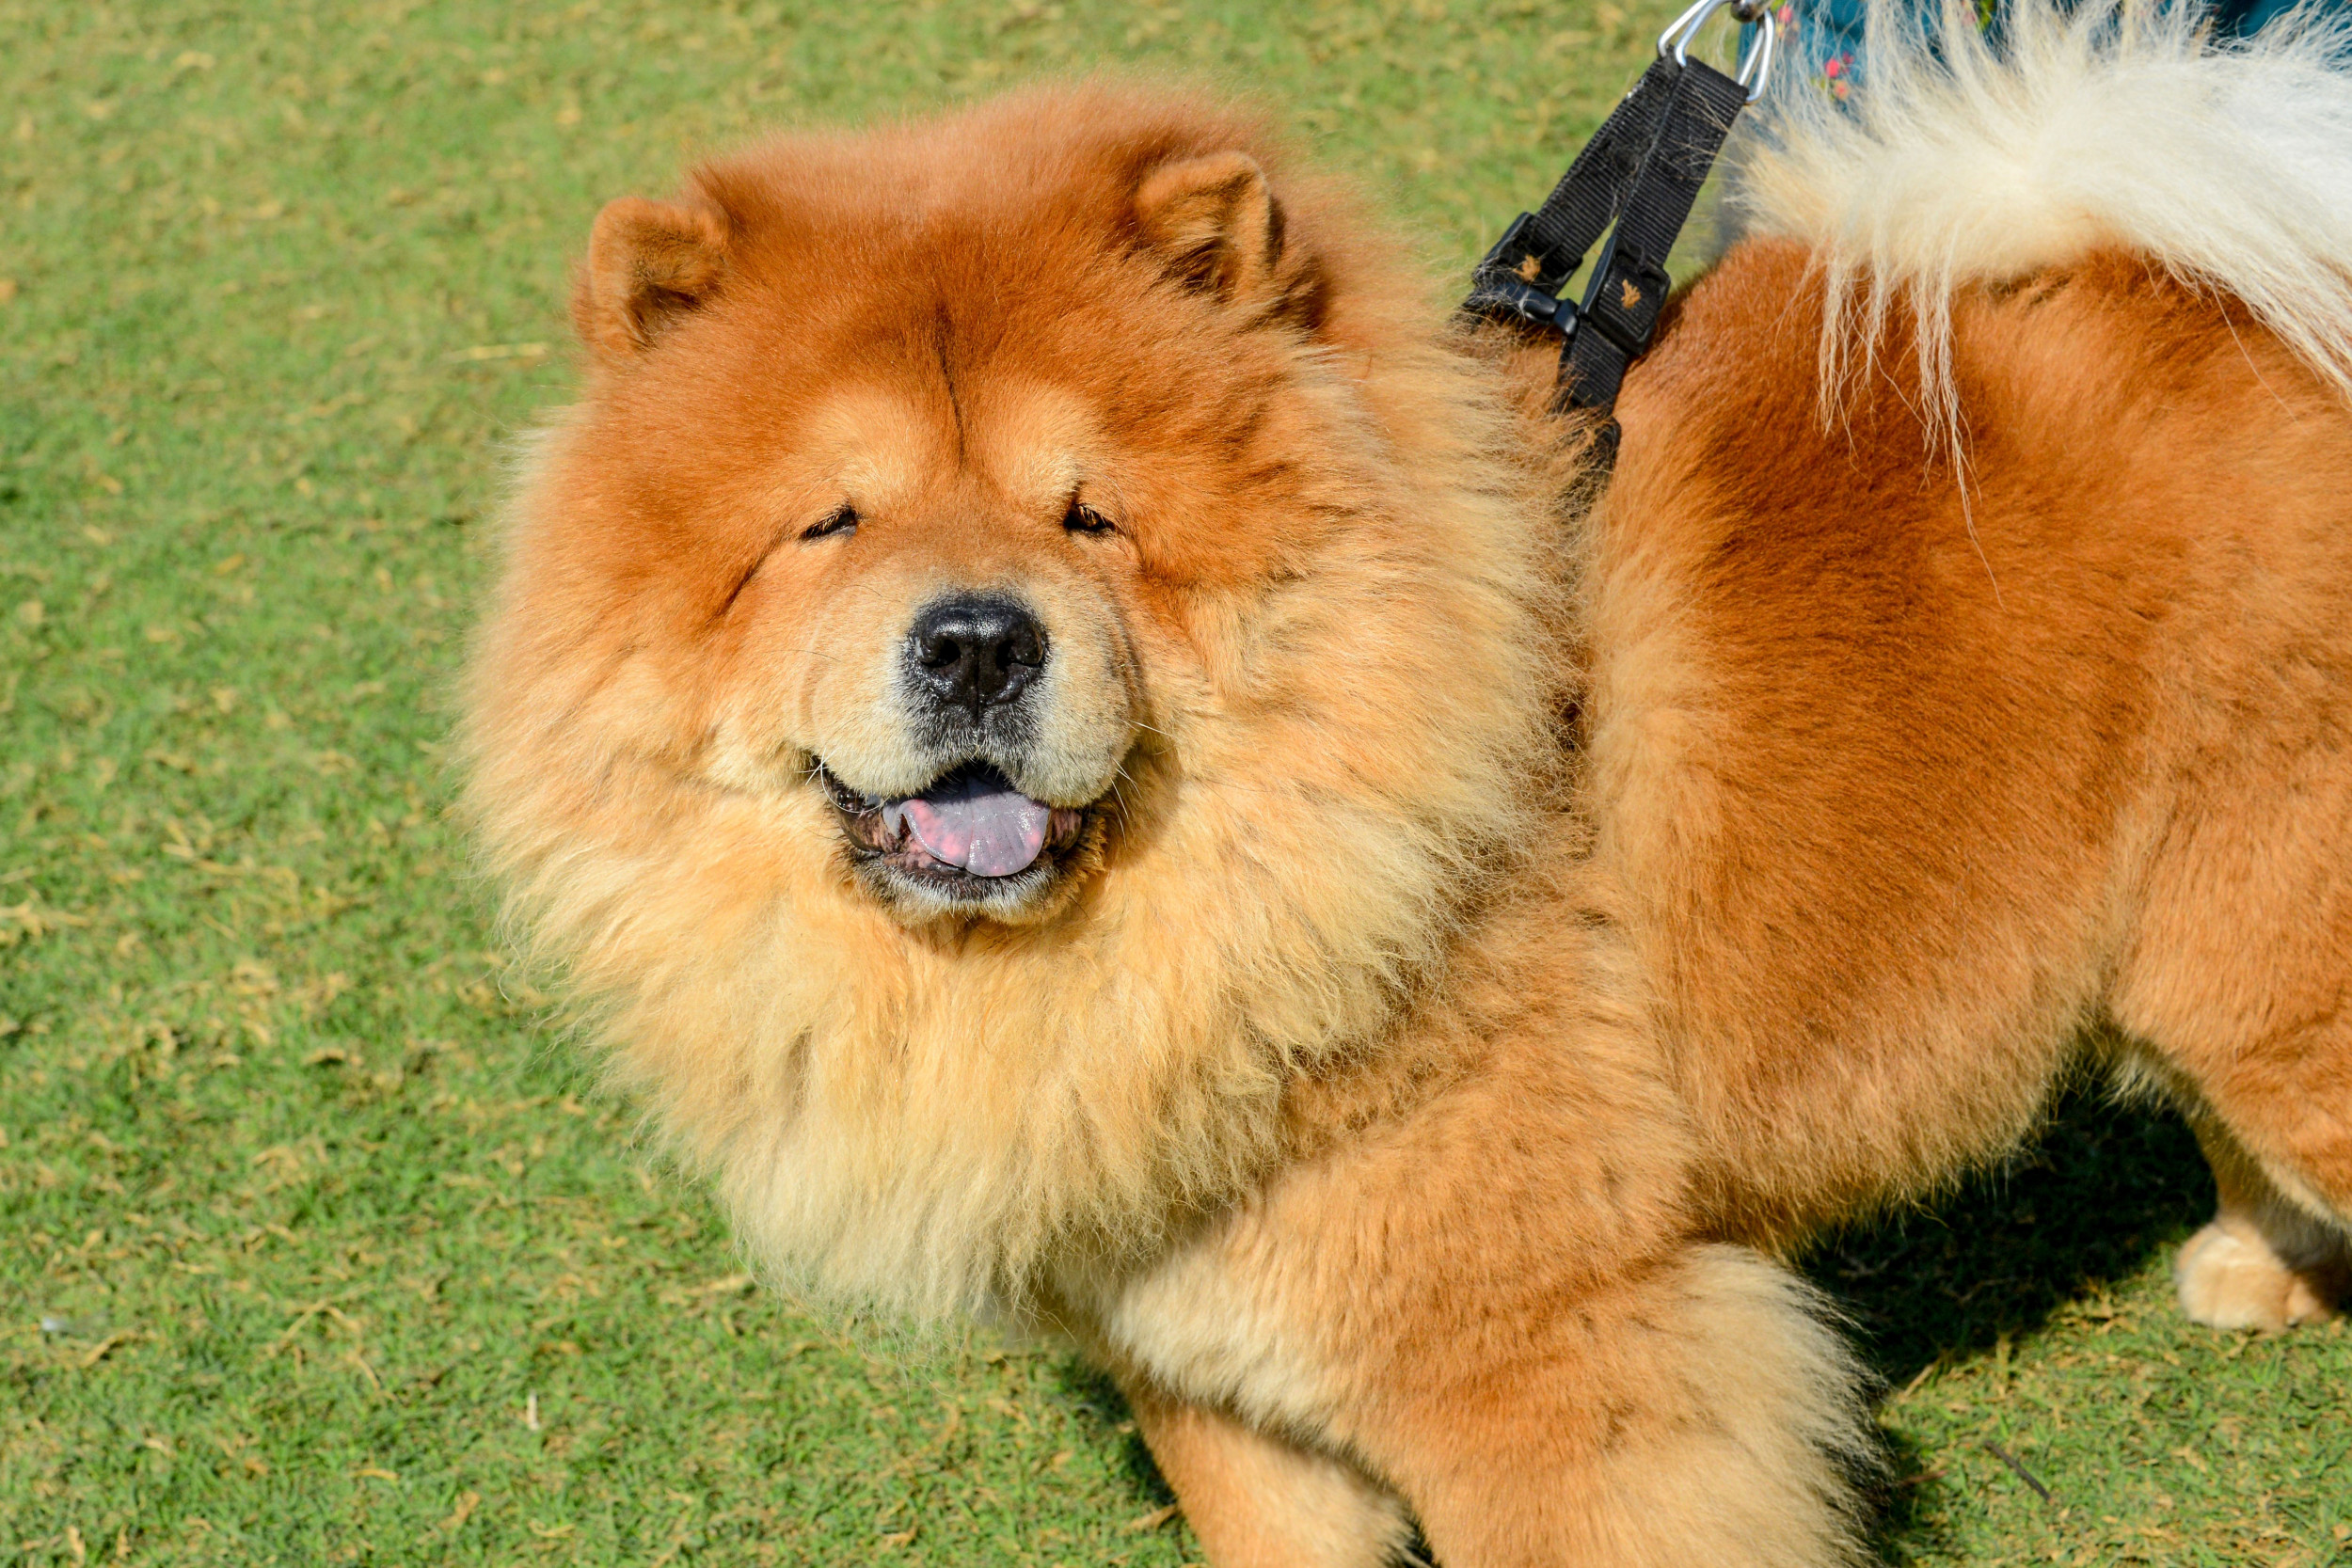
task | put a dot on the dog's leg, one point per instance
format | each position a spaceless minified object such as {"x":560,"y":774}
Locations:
{"x":2263,"y":1261}
{"x":1497,"y":1301}
{"x":1687,"y":1405}
{"x":1701,"y":1413}
{"x":2234,"y":985}
{"x":1259,"y":1502}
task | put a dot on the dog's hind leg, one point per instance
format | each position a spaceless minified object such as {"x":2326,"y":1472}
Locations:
{"x":1256,"y":1501}
{"x":2239,"y":987}
{"x":2263,"y":1262}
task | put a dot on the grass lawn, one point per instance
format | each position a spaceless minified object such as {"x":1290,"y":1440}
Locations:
{"x":314,"y":1246}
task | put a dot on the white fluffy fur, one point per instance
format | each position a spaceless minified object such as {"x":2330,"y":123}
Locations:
{"x":1958,"y":162}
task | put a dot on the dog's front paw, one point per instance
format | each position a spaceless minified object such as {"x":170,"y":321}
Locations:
{"x":2230,"y":1277}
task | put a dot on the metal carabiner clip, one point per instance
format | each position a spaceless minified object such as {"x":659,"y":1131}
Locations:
{"x":1756,"y":67}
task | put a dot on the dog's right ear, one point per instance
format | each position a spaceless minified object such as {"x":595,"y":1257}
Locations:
{"x":649,"y":263}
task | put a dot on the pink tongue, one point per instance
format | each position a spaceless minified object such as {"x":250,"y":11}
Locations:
{"x":981,"y":824}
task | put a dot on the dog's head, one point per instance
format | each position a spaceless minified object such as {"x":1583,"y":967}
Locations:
{"x":1040,"y":575}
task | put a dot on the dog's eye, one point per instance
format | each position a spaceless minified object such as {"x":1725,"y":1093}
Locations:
{"x":1082,"y":519}
{"x":842,"y":521}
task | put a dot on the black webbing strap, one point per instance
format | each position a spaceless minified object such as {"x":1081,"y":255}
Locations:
{"x":1630,"y":283}
{"x":1644,"y":167}
{"x":1520,"y":277}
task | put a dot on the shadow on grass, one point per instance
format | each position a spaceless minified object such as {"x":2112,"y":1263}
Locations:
{"x":2096,"y":1199}
{"x":2093,"y":1199}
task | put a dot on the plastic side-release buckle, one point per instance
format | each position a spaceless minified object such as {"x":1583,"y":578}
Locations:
{"x":1514,"y":284}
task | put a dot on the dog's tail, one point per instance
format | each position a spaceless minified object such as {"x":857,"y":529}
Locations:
{"x":1966,"y":156}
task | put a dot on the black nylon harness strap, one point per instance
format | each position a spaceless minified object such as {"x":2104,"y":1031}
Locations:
{"x":1630,"y":283}
{"x":1541,"y":250}
{"x":1643,"y":168}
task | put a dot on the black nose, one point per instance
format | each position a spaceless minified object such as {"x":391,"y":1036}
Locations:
{"x":972,"y":650}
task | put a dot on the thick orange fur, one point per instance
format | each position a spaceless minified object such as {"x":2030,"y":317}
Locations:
{"x":1404,"y":1105}
{"x":1911,"y":784}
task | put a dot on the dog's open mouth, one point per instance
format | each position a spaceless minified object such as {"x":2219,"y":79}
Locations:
{"x":970,"y":830}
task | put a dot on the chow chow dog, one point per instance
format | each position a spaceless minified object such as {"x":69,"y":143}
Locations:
{"x":1101,"y":763}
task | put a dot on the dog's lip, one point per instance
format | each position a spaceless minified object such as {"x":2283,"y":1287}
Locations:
{"x":879,"y":828}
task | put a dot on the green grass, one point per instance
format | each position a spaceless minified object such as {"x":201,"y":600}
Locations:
{"x":314,"y":1246}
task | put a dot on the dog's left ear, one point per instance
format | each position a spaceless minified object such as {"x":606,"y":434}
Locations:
{"x":1218,"y":229}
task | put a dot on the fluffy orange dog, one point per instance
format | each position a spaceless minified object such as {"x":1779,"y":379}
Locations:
{"x":1029,"y":688}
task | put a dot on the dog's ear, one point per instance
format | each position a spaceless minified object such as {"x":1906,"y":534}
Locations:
{"x":649,"y":263}
{"x":1217,"y":227}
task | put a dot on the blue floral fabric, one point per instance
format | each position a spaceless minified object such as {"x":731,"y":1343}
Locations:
{"x":1823,"y":37}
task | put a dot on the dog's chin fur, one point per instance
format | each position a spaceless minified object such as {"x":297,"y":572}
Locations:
{"x":1346,"y":715}
{"x":921,"y":898}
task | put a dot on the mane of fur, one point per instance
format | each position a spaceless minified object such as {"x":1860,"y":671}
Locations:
{"x":925,"y":1119}
{"x":1960,"y":160}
